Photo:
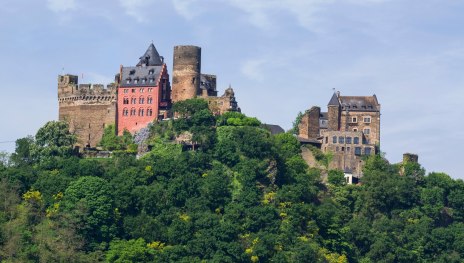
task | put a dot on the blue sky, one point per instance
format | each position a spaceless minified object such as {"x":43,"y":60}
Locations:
{"x":280,"y":56}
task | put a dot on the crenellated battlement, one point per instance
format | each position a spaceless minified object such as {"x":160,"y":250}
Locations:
{"x":69,"y":90}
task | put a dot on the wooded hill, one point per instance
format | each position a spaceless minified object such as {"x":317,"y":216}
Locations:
{"x":243,"y":195}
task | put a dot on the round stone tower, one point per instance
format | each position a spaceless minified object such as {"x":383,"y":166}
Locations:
{"x":186,"y":72}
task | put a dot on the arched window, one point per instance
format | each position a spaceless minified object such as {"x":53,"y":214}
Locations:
{"x":141,"y":111}
{"x":125,"y":100}
{"x":125,"y":112}
{"x":149,"y":100}
{"x":133,"y":100}
{"x":149,"y":112}
{"x":141,"y":100}
{"x":133,"y":112}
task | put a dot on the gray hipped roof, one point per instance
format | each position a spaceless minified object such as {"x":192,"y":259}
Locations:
{"x":140,"y":76}
{"x":151,"y":57}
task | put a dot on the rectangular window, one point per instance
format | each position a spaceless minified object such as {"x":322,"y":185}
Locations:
{"x":367,"y":151}
{"x":367,"y":131}
{"x":367,"y":119}
{"x":356,"y":140}
{"x":126,"y":90}
{"x":133,"y":90}
{"x":334,"y":139}
{"x":354,"y":119}
{"x":357,"y":150}
{"x":348,"y":149}
{"x":348,"y":140}
{"x":341,"y":140}
{"x":326,"y":139}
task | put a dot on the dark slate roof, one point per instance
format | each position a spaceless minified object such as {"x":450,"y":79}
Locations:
{"x":205,"y":83}
{"x":151,"y":57}
{"x":334,"y":100}
{"x":274,"y":129}
{"x":308,"y":141}
{"x":324,"y":116}
{"x":360,"y":103}
{"x":140,"y":76}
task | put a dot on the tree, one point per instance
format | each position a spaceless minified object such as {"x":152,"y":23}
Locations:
{"x":22,"y":154}
{"x":110,"y":141}
{"x":90,"y":203}
{"x":53,"y":140}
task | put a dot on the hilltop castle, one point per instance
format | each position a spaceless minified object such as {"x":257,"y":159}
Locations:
{"x":349,"y":129}
{"x":139,"y":95}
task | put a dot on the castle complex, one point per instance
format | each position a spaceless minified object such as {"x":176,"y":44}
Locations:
{"x":349,"y":129}
{"x":140,"y":95}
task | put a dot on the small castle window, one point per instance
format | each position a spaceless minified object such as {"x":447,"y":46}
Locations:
{"x":125,"y":101}
{"x":151,"y":72}
{"x":133,"y":112}
{"x":126,"y":90}
{"x":132,"y":72}
{"x":150,"y":89}
{"x":334,"y":139}
{"x":152,"y":80}
{"x":125,"y":112}
{"x":141,"y":100}
{"x":133,"y":90}
{"x":357,"y":150}
{"x":367,"y":119}
{"x":370,"y":107}
{"x":343,"y":149}
{"x":134,"y":101}
{"x":356,"y":140}
{"x":354,"y":120}
{"x":348,"y":149}
{"x":136,"y":81}
{"x":355,"y":129}
{"x":348,"y":140}
{"x":367,"y":151}
{"x":363,"y":107}
{"x":142,"y":90}
{"x":367,"y":131}
{"x":144,"y":80}
{"x":149,"y":112}
{"x":341,"y":139}
{"x":326,"y":139}
{"x":149,"y":100}
{"x":128,"y":81}
{"x":141,"y":111}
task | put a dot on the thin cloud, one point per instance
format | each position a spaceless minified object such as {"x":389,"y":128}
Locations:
{"x":61,"y":5}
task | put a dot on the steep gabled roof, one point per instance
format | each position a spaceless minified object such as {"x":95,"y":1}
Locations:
{"x":334,"y":100}
{"x":151,"y":57}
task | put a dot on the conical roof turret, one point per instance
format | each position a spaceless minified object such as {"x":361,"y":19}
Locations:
{"x":334,"y":100}
{"x":151,"y":57}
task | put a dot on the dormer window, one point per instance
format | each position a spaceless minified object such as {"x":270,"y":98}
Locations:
{"x":128,"y":80}
{"x":143,"y":81}
{"x":152,"y":80}
{"x":136,"y":81}
{"x":151,"y":72}
{"x":132,"y":72}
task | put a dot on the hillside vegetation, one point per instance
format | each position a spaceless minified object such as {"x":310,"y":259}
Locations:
{"x":242,"y":195}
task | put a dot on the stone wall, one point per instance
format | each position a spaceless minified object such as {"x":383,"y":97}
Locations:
{"x":354,"y":121}
{"x":309,"y":124}
{"x":87,"y":108}
{"x":186,"y":73}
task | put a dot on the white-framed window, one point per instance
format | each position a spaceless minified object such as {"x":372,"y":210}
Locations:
{"x":126,"y":90}
{"x":367,"y":119}
{"x":354,"y":119}
{"x":142,"y":90}
{"x":355,"y":129}
{"x":150,"y":89}
{"x":367,"y":131}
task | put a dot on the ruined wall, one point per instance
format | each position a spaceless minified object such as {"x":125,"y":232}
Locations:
{"x":309,"y":125}
{"x":186,"y":74}
{"x":87,"y":108}
{"x":225,"y":103}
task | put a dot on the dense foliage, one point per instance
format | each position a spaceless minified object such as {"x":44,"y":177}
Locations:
{"x":242,"y":195}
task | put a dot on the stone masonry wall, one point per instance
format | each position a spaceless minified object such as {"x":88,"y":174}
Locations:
{"x":186,"y":73}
